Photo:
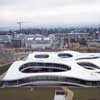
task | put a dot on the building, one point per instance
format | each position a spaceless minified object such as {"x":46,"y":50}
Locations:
{"x":63,"y":68}
{"x":33,"y":41}
{"x":60,"y":40}
{"x":16,"y":43}
{"x":36,"y":41}
{"x":5,"y":41}
{"x":74,"y":37}
{"x":18,"y":40}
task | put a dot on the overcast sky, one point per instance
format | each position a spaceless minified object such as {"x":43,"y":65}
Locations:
{"x":50,"y":11}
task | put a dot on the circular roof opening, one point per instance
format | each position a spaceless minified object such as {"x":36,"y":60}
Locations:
{"x":39,"y":67}
{"x":88,"y":65}
{"x":95,"y":57}
{"x":65,"y":55}
{"x":41,"y":56}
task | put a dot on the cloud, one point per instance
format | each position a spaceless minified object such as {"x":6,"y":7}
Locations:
{"x":50,"y":11}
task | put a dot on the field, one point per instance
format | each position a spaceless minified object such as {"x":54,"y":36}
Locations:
{"x":86,"y":93}
{"x":44,"y":93}
{"x":4,"y":68}
{"x":26,"y":94}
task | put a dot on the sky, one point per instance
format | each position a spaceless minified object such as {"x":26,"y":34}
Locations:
{"x":46,"y":12}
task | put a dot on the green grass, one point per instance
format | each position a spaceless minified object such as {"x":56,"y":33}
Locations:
{"x":4,"y":68}
{"x":27,"y":94}
{"x":86,"y":93}
{"x":44,"y":93}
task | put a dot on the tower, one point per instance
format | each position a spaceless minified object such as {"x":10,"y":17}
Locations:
{"x":20,"y":26}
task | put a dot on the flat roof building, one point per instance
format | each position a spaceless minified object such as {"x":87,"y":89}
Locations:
{"x":64,"y":68}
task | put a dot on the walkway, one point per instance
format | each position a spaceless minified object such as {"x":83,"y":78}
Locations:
{"x":68,"y":94}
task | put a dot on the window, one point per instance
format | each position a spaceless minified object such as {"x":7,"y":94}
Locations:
{"x":60,"y":92}
{"x":41,"y":56}
{"x":64,"y":55}
{"x":87,"y":65}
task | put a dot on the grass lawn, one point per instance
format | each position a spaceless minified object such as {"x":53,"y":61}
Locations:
{"x":27,"y":94}
{"x":4,"y":68}
{"x":44,"y":93}
{"x":86,"y":93}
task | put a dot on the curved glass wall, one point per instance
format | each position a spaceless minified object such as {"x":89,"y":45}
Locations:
{"x":40,"y":70}
{"x":56,"y":79}
{"x":34,"y":67}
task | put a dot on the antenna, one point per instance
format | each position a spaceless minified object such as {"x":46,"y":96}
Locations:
{"x":20,"y":25}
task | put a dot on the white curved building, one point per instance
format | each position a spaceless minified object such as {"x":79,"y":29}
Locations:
{"x":68,"y":68}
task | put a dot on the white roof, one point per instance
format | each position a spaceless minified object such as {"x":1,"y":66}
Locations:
{"x":76,"y":71}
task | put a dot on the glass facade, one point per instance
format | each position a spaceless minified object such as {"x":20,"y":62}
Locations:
{"x":55,"y":79}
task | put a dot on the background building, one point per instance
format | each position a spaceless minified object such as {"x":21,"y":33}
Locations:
{"x":5,"y":41}
{"x":38,"y":41}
